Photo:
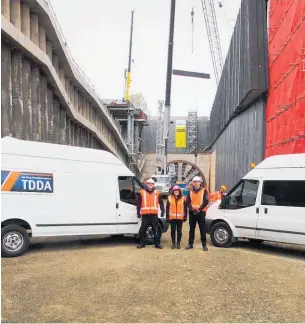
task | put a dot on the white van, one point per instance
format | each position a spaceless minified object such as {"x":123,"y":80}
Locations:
{"x":268,"y":204}
{"x":56,"y":190}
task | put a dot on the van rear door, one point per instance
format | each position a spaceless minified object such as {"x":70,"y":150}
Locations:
{"x":282,"y":213}
{"x":241,"y":207}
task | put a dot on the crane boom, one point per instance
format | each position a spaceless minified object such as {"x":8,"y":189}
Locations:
{"x":213,"y":36}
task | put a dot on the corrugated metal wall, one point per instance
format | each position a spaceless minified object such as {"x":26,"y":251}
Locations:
{"x":240,"y":144}
{"x":149,"y":136}
{"x":245,"y":73}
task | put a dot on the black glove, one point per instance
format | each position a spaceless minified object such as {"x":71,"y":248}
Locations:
{"x":185,"y":219}
{"x":162,"y":214}
{"x":195,"y":212}
{"x":139,"y":216}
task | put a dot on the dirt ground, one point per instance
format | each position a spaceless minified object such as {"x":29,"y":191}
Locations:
{"x":109,"y":280}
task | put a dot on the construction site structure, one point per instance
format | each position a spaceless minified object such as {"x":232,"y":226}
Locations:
{"x":192,"y":129}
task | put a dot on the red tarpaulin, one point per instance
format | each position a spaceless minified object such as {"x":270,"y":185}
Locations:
{"x":285,"y":115}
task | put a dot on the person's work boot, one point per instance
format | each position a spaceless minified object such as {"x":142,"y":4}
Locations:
{"x":178,"y":246}
{"x":190,"y":246}
{"x":204,"y":247}
{"x":140,"y":246}
{"x":174,"y":245}
{"x":158,"y":246}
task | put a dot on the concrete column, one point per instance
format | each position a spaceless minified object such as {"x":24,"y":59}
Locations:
{"x":50,"y":116}
{"x":102,"y":123}
{"x":17,"y":98}
{"x":89,"y":113}
{"x":56,"y":115}
{"x":27,"y":99}
{"x":6,"y":91}
{"x":36,"y":108}
{"x":136,"y":138}
{"x":67,"y":86}
{"x":87,"y":110}
{"x":129,"y":141}
{"x":25,"y":19}
{"x":15,"y":12}
{"x":63,"y":127}
{"x":93,"y":116}
{"x":62,"y":76}
{"x":80,"y":103}
{"x":76,"y":99}
{"x":84,"y":106}
{"x":5,"y":9}
{"x":44,"y":111}
{"x":42,"y":39}
{"x":34,"y":29}
{"x":72,"y":94}
{"x":77,"y":135}
{"x":55,"y":62}
{"x":68,"y":130}
{"x":49,"y":50}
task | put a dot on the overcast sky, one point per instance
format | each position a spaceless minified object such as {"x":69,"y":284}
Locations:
{"x":97,"y":33}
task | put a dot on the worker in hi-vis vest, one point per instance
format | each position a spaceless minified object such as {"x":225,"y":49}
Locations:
{"x":147,"y":208}
{"x":176,"y":214}
{"x":197,"y":202}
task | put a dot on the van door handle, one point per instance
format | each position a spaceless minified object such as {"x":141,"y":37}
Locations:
{"x":257,"y":210}
{"x":117,"y":205}
{"x":266,"y":210}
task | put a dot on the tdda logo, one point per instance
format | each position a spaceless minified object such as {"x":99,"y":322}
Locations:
{"x":36,"y":185}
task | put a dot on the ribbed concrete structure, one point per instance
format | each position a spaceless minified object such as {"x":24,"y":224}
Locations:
{"x":44,"y":95}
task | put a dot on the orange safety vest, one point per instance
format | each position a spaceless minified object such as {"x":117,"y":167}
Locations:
{"x":216,"y":196}
{"x":176,"y":208}
{"x":150,"y":202}
{"x":197,"y":199}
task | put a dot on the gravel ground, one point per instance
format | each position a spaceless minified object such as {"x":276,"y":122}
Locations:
{"x":109,"y":280}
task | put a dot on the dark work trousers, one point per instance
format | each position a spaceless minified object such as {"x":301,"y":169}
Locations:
{"x":146,"y":221}
{"x":200,"y":219}
{"x":176,"y":226}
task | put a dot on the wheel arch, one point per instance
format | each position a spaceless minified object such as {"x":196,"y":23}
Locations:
{"x":19,"y":222}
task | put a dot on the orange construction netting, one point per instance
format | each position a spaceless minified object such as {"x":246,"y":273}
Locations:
{"x":285,"y":114}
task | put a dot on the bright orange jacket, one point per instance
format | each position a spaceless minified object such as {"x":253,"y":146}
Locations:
{"x":176,"y":208}
{"x":197,"y":199}
{"x":150,"y":201}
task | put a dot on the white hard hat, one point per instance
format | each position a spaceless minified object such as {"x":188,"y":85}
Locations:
{"x":197,"y":179}
{"x":150,"y":181}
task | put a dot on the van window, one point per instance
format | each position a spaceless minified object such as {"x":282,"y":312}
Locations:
{"x":284,"y":193}
{"x":243,"y":195}
{"x":127,"y":193}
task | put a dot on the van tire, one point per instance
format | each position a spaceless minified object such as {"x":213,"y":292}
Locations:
{"x":17,"y":234}
{"x":150,"y":240}
{"x":221,"y":235}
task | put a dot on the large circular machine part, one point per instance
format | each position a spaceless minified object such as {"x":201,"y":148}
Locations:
{"x":182,"y":172}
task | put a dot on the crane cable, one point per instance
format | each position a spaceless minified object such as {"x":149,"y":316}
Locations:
{"x":192,"y":17}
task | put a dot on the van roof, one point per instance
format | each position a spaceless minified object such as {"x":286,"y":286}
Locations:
{"x":10,"y":145}
{"x":283,"y":161}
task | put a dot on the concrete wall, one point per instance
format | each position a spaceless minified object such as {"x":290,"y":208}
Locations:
{"x":44,"y":97}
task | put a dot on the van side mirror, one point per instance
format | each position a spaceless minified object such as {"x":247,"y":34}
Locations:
{"x":224,"y":202}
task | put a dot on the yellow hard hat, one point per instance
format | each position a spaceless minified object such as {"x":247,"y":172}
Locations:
{"x":223,"y":187}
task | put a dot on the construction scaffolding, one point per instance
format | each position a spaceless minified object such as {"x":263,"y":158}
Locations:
{"x":192,"y":132}
{"x":285,"y":115}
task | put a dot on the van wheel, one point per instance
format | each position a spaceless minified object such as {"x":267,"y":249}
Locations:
{"x":255,"y":241}
{"x":221,"y":235}
{"x":15,"y":241}
{"x":149,"y":237}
